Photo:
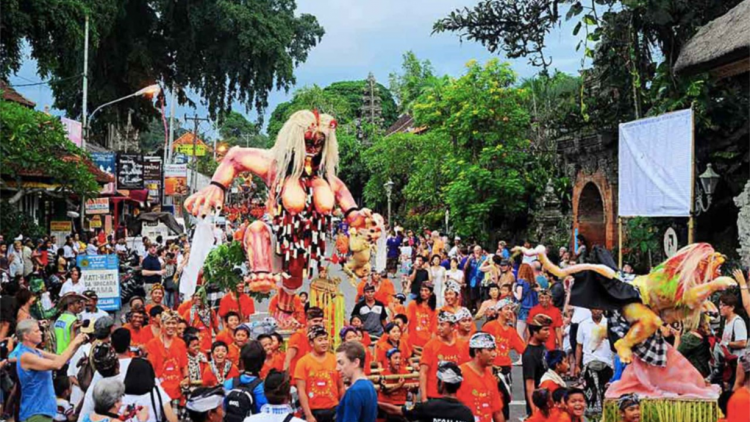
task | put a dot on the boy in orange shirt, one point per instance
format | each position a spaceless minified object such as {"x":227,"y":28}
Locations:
{"x":443,"y":348}
{"x":630,"y":409}
{"x":274,"y":359}
{"x":231,"y":321}
{"x":298,"y":345}
{"x":168,"y":355}
{"x":318,"y":382}
{"x":238,"y":302}
{"x":479,"y":391}
{"x":558,"y":367}
{"x":241,"y":337}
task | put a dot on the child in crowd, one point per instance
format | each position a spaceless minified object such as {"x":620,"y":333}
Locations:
{"x":65,"y":410}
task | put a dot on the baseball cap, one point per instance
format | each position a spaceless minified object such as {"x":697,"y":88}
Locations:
{"x":103,"y":327}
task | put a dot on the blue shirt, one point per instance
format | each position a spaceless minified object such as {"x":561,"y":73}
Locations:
{"x":259,"y":397}
{"x":393,"y":244}
{"x":542,"y":282}
{"x":475,"y":276}
{"x":359,"y":404}
{"x":37,"y":391}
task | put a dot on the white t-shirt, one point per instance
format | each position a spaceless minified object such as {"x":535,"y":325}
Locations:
{"x":91,"y":249}
{"x":68,"y":287}
{"x":76,"y":394}
{"x":93,"y":316}
{"x":580,"y":315}
{"x":272,"y":413}
{"x":68,"y":252}
{"x":120,"y":248}
{"x":457,"y":276}
{"x":154,"y":414}
{"x":735,"y":330}
{"x":588,"y":340}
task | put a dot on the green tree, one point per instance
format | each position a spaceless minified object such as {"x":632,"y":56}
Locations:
{"x":36,"y":142}
{"x":222,"y":50}
{"x":415,"y":77}
{"x":235,"y":129}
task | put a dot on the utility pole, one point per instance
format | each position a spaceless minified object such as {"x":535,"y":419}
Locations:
{"x":196,"y":120}
{"x":168,"y":152}
{"x":84,"y":108}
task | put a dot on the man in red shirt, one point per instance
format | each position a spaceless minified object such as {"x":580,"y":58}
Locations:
{"x":506,"y":339}
{"x":168,"y":355}
{"x":479,"y":391}
{"x":545,"y":307}
{"x":238,"y":302}
{"x":139,"y":335}
{"x":443,"y":348}
{"x":298,"y":345}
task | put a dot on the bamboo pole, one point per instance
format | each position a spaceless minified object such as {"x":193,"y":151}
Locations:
{"x":691,"y":220}
{"x":619,"y":242}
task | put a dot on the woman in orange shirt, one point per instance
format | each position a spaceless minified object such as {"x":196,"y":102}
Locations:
{"x":391,"y":339}
{"x":542,"y":399}
{"x":422,"y":316}
{"x":350,"y":333}
{"x":220,"y":368}
{"x":395,"y":394}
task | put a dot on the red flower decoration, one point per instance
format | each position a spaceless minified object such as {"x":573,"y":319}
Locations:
{"x":334,"y":124}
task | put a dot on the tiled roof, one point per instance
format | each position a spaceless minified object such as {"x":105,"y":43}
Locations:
{"x":10,"y":94}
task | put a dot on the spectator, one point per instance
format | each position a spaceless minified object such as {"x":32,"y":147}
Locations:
{"x":442,"y":348}
{"x":445,"y":408}
{"x":525,"y":293}
{"x":83,"y":352}
{"x":558,"y":366}
{"x":557,"y":289}
{"x":594,"y":355}
{"x":533,"y":358}
{"x":506,"y":274}
{"x":694,"y":345}
{"x":252,"y":356}
{"x":277,"y":391}
{"x":479,"y":390}
{"x":157,"y":297}
{"x":65,"y":410}
{"x":528,"y":259}
{"x":168,"y":355}
{"x":545,"y":308}
{"x":206,"y":405}
{"x":151,"y":266}
{"x":372,"y":312}
{"x":73,"y":284}
{"x":141,"y":390}
{"x":298,"y":345}
{"x":630,"y":408}
{"x":24,"y":301}
{"x":734,"y":336}
{"x":392,"y":243}
{"x":359,"y":403}
{"x":319,"y":385}
{"x":92,"y":312}
{"x":417,"y":277}
{"x":473,"y":278}
{"x":35,"y":371}
{"x":28,"y":262}
{"x":108,"y":395}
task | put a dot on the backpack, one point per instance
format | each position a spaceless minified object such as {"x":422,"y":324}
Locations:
{"x":239,"y":402}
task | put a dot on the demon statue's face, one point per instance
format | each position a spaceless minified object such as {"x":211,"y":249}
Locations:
{"x":314,"y":143}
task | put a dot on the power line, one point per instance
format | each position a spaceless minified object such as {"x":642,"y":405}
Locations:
{"x":46,"y":82}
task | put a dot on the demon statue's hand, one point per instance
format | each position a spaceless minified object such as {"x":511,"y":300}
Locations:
{"x":204,"y":201}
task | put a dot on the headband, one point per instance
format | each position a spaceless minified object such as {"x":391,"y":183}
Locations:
{"x":449,"y":373}
{"x":482,"y":341}
{"x":503,"y":303}
{"x":205,"y":403}
{"x":452,"y":286}
{"x":346,"y":330}
{"x":445,"y":316}
{"x":628,"y":400}
{"x":392,"y":352}
{"x":169,"y":315}
{"x":157,"y":286}
{"x":315,"y":331}
{"x":463,"y":314}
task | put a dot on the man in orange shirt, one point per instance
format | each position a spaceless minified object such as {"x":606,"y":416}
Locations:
{"x":204,"y":319}
{"x":465,"y":326}
{"x":384,"y":289}
{"x":238,"y":302}
{"x":168,"y":355}
{"x":318,"y":382}
{"x":139,"y":335}
{"x":443,"y":348}
{"x":545,"y":307}
{"x":739,"y":403}
{"x":479,"y":391}
{"x":157,"y":297}
{"x":298,"y":345}
{"x":231,"y":321}
{"x":506,"y":339}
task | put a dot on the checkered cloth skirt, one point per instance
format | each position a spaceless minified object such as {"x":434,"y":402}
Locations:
{"x":179,"y":410}
{"x":653,"y":351}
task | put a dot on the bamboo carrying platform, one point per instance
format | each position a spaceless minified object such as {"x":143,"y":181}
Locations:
{"x":668,"y":410}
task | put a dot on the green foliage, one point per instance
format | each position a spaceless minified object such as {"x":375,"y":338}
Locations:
{"x":340,"y":99}
{"x":221,"y":268}
{"x":642,"y":245}
{"x":13,"y":223}
{"x":409,"y":85}
{"x":235,"y":129}
{"x":36,"y":142}
{"x":223,"y":50}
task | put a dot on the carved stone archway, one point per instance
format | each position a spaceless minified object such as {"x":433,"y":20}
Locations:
{"x":594,"y":211}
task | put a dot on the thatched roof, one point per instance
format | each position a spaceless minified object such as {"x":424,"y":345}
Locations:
{"x":723,"y":41}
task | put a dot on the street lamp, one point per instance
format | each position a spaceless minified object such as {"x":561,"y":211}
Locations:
{"x":148,"y":91}
{"x":388,"y":190}
{"x":709,"y":179}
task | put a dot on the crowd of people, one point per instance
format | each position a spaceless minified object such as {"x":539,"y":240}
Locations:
{"x":433,"y":337}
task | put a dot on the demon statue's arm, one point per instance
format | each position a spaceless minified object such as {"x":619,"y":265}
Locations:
{"x":355,"y":217}
{"x":238,"y":160}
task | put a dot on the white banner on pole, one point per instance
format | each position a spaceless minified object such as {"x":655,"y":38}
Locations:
{"x":655,"y":166}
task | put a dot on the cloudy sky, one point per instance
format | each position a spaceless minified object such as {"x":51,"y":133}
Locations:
{"x":365,"y":36}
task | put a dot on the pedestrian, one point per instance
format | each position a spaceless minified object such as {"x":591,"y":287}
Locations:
{"x":359,"y":403}
{"x":277,"y":388}
{"x":319,"y":385}
{"x":595,"y":357}
{"x":418,"y":276}
{"x":73,"y":284}
{"x":533,"y":358}
{"x":546,"y":308}
{"x":473,"y":278}
{"x":142,"y":391}
{"x":168,"y":356}
{"x":525,"y":292}
{"x":245,"y":395}
{"x":298,"y":345}
{"x":447,"y":408}
{"x":630,"y":408}
{"x":479,"y":390}
{"x":734,"y":337}
{"x":108,"y":395}
{"x":92,"y":312}
{"x":557,"y":365}
{"x":34,"y":369}
{"x":422,"y":316}
{"x":392,"y":244}
{"x":442,"y":348}
{"x":372,"y":311}
{"x":507,"y":339}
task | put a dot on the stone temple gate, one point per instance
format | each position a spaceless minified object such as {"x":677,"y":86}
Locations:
{"x":591,"y":163}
